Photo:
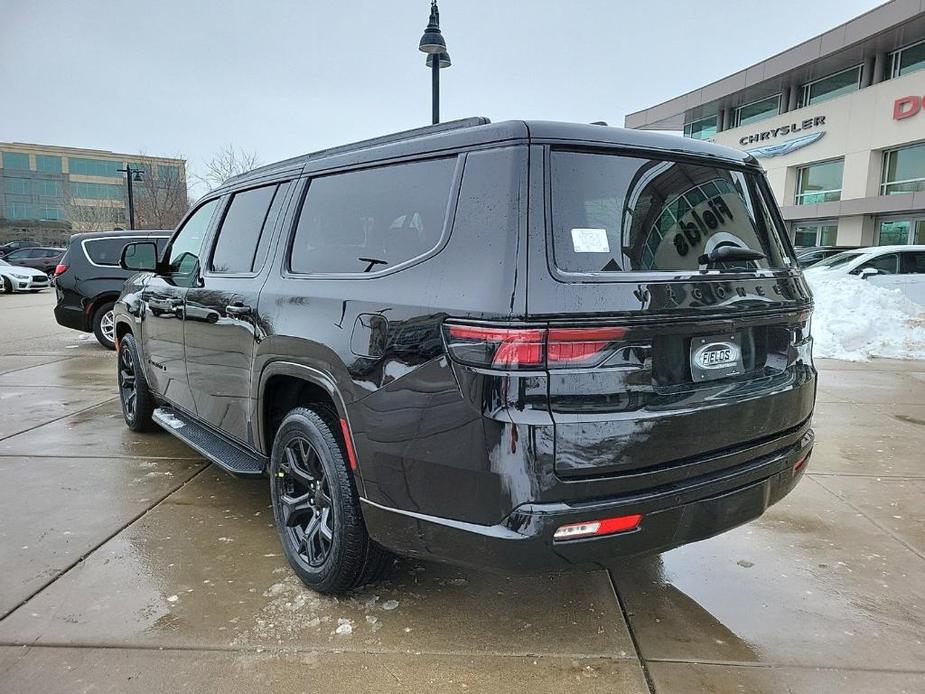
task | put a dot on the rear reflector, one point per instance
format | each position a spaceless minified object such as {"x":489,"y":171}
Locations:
{"x":607,"y":526}
{"x":801,"y":461}
{"x":519,"y":348}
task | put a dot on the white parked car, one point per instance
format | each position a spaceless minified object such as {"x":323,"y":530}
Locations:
{"x":15,"y":278}
{"x":893,"y":267}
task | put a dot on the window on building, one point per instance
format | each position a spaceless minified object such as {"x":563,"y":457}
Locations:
{"x":51,"y":189}
{"x":814,"y":233}
{"x":903,"y":170}
{"x":829,"y":87}
{"x":15,"y":161}
{"x":166,"y":172}
{"x":97,"y":191}
{"x":900,"y":232}
{"x":758,"y":110}
{"x":241,"y":230}
{"x":47,"y":163}
{"x":23,"y":210}
{"x":908,"y":59}
{"x":701,"y":129}
{"x":365,"y":221}
{"x":94,"y":167}
{"x":17,"y":186}
{"x":819,"y":182}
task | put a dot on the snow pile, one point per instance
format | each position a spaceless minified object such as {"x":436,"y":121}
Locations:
{"x":855,"y":320}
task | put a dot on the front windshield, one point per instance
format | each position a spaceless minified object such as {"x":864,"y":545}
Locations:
{"x":622,"y":213}
{"x":3,"y":262}
{"x":838,"y":260}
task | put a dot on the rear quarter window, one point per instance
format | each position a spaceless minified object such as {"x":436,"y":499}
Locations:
{"x":615,"y":213}
{"x":373,"y":219}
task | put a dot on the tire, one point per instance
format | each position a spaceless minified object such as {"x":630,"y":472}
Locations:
{"x":316,"y":507}
{"x":7,"y":285}
{"x":136,"y":411}
{"x":104,"y":327}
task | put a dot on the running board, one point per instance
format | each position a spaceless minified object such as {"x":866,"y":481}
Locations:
{"x":218,"y":449}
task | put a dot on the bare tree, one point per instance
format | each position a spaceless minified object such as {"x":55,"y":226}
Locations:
{"x":97,"y":217}
{"x":161,"y":198}
{"x":228,"y":161}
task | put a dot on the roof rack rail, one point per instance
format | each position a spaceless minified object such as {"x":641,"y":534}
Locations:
{"x":366,"y":144}
{"x":402,"y":135}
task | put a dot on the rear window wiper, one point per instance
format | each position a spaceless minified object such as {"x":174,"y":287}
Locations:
{"x":724,"y":254}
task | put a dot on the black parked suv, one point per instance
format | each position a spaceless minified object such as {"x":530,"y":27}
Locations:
{"x":88,"y":279}
{"x":519,"y":345}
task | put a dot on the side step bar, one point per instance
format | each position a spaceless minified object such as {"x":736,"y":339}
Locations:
{"x":227,"y":455}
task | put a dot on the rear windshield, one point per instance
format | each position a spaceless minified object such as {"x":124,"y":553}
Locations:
{"x":620,"y":213}
{"x":109,"y":251}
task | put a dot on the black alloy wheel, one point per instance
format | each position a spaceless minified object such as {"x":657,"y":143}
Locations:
{"x":307,"y":513}
{"x":137,"y":400}
{"x":128,"y":392}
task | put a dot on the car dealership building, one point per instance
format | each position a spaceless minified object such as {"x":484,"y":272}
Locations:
{"x":838,"y":122}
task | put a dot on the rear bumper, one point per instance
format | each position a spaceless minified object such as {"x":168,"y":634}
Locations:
{"x":673,"y":515}
{"x":72,"y":317}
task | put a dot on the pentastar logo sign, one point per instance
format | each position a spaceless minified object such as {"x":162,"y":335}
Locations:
{"x":907,"y":106}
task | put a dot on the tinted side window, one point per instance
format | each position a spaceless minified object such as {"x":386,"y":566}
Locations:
{"x":912,"y":262}
{"x":365,"y":221}
{"x":886,"y":264}
{"x":183,"y":258}
{"x":241,"y":230}
{"x":105,"y":251}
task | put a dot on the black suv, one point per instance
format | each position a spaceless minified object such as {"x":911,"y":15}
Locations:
{"x":88,"y":279}
{"x":519,"y":345}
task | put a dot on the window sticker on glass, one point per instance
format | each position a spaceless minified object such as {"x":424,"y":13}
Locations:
{"x":590,"y":241}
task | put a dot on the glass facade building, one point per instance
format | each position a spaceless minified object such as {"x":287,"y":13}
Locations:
{"x":77,"y":190}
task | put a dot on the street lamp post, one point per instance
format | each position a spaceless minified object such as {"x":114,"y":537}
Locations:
{"x":131,"y":174}
{"x":434,"y":45}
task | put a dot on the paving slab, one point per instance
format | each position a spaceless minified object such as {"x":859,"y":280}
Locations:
{"x":75,"y":372}
{"x":896,"y":505}
{"x":24,"y":361}
{"x":54,"y":670}
{"x":25,"y":407}
{"x":685,"y":678}
{"x":811,"y":583}
{"x":866,"y":387}
{"x":204,"y":569}
{"x":55,"y":510}
{"x":96,"y":432}
{"x":868,"y":439}
{"x":904,"y":365}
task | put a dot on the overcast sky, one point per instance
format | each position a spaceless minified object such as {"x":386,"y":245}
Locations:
{"x":184,"y":77}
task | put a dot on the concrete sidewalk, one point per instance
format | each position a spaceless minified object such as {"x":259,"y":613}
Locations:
{"x":131,"y":565}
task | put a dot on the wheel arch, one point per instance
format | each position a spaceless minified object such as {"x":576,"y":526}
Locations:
{"x":284,"y":385}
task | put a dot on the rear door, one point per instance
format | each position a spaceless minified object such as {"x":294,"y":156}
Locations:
{"x":221,"y":322}
{"x":659,"y":350}
{"x":904,"y":271}
{"x":163,"y":297}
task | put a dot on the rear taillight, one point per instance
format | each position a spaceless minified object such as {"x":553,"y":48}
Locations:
{"x":526,"y":348}
{"x":606,"y":526}
{"x":60,"y":269}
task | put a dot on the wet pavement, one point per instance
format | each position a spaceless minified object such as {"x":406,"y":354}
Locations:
{"x":131,"y":565}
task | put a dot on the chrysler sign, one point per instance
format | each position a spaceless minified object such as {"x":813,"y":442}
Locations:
{"x":769,"y":146}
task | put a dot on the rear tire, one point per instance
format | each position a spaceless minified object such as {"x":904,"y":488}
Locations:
{"x":104,"y":326}
{"x":317,"y":509}
{"x":137,"y":400}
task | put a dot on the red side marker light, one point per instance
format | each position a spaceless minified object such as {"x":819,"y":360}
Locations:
{"x":801,"y":462}
{"x":348,"y":443}
{"x":606,"y":526}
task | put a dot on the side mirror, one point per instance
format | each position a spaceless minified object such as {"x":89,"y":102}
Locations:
{"x":139,"y":257}
{"x":869,"y":272}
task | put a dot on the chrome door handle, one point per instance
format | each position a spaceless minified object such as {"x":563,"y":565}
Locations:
{"x":238,"y":310}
